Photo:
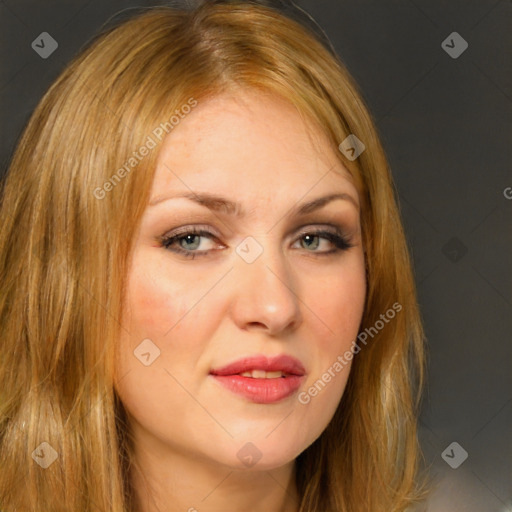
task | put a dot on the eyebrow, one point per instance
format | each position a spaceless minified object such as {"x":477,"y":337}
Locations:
{"x":222,"y":204}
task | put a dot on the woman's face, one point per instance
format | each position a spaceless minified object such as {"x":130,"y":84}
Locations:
{"x":256,"y":284}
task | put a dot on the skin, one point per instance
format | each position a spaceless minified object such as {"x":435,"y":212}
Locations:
{"x":209,"y":311}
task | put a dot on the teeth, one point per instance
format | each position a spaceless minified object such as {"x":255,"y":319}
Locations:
{"x":262,"y":374}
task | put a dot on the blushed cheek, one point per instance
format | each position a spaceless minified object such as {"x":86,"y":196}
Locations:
{"x":153,"y":309}
{"x":170,"y":312}
{"x":153,"y":304}
{"x":339,"y":308}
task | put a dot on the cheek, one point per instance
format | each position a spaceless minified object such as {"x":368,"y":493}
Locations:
{"x":156,"y":304}
{"x":338,"y":305}
{"x":173,"y":310}
{"x":147,"y":316}
{"x":155,"y":309}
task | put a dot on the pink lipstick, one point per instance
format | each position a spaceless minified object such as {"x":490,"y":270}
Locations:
{"x":261,"y":379}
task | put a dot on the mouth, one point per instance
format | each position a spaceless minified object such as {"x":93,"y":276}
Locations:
{"x":260,"y":379}
{"x":263,"y":367}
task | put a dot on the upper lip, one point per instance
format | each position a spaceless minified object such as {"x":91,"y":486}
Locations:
{"x":284,"y":363}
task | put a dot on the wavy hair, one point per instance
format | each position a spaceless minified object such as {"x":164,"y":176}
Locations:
{"x":65,"y":249}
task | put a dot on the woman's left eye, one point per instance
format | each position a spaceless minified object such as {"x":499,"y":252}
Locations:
{"x":335,"y":238}
{"x":187,"y":242}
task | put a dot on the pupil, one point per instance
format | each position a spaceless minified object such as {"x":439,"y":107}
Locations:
{"x":187,"y":240}
{"x":310,"y":238}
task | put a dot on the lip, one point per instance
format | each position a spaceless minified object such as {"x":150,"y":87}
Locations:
{"x":263,"y":391}
{"x":283,"y":363}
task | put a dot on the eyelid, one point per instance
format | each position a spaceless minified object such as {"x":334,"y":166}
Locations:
{"x":319,"y":225}
{"x":338,"y":228}
{"x":191,"y":227}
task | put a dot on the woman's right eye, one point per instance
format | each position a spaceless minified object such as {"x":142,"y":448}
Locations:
{"x":187,"y":242}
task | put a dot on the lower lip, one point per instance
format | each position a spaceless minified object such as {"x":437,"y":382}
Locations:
{"x":261,"y":391}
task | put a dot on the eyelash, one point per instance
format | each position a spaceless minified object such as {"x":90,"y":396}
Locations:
{"x":340,"y":242}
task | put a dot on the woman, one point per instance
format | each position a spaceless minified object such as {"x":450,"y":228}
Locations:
{"x":207,"y":300}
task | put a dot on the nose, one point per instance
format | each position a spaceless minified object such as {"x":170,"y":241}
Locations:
{"x":265,"y":295}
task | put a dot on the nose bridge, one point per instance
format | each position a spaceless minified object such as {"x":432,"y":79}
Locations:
{"x":265,"y":292}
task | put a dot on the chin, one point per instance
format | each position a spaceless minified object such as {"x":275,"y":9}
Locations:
{"x":262,"y":455}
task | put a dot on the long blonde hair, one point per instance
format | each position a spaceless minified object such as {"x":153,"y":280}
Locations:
{"x":68,"y":218}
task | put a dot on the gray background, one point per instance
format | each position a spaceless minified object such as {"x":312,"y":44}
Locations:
{"x":446,"y":124}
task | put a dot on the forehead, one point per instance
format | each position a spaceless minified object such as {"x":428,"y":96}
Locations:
{"x":252,"y":142}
